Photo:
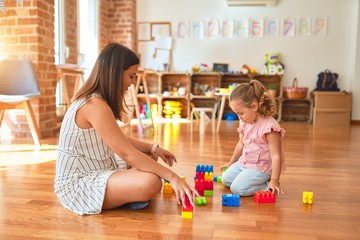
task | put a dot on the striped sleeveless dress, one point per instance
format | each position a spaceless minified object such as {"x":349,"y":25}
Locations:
{"x":83,"y":166}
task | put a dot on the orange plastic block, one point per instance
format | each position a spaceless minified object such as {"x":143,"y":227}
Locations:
{"x":308,"y":197}
{"x":264,"y":197}
{"x":167,"y":188}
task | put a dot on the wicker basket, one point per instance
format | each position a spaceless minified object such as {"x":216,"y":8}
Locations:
{"x":295,"y":92}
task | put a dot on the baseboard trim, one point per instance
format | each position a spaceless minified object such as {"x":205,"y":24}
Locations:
{"x":355,"y":122}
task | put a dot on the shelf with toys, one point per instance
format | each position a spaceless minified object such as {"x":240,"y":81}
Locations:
{"x":175,"y":93}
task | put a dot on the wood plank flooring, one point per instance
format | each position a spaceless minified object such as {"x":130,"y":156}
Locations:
{"x":323,"y":160}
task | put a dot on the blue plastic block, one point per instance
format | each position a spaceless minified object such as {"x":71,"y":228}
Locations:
{"x":231,"y":200}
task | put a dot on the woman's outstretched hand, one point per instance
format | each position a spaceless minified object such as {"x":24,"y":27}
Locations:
{"x":182,"y":189}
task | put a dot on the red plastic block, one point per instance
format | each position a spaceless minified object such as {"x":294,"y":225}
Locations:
{"x":199,"y":186}
{"x":264,"y":197}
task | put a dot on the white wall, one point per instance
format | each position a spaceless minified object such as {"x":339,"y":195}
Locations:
{"x":303,"y":56}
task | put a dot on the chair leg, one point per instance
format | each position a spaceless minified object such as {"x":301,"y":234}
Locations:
{"x":1,"y":116}
{"x":213,"y":121}
{"x":192,"y":120}
{"x":32,"y":122}
{"x":202,"y":122}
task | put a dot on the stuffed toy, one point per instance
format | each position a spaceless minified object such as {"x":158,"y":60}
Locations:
{"x":245,"y":69}
{"x":273,"y":65}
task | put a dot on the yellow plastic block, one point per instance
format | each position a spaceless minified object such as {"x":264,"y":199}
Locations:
{"x":186,"y":214}
{"x":308,"y":197}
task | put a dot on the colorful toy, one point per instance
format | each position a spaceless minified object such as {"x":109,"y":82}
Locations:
{"x":231,"y":200}
{"x":308,"y":197}
{"x":200,"y":201}
{"x":167,"y":189}
{"x":187,"y":211}
{"x":264,"y":197}
{"x":273,"y":65}
{"x":204,"y":180}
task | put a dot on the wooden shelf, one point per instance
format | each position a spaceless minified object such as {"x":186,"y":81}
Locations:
{"x":160,"y":82}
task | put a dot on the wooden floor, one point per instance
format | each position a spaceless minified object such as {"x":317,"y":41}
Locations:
{"x":323,"y":160}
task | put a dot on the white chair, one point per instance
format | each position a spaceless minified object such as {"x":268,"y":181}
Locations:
{"x":203,"y":111}
{"x":18,"y":86}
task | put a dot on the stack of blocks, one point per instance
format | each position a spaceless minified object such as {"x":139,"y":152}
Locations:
{"x":231,"y":200}
{"x":264,"y":197}
{"x":204,"y":180}
{"x":187,"y":211}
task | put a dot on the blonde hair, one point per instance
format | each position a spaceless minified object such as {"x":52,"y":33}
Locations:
{"x":247,"y":93}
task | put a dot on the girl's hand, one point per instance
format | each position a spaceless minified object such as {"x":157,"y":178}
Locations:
{"x":274,"y":186}
{"x":227,"y":165}
{"x":166,"y":156}
{"x":181,"y":188}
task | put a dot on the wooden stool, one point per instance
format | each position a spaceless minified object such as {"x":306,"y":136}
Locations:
{"x":203,"y":111}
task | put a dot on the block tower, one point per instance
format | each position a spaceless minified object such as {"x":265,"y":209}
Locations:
{"x":204,"y":180}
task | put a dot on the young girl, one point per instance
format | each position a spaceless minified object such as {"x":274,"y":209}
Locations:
{"x":258,"y":156}
{"x":88,"y":178}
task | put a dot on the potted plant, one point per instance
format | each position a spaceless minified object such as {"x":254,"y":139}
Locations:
{"x":272,"y":90}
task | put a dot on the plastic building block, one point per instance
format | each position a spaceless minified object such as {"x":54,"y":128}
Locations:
{"x":217,"y":179}
{"x":200,"y":201}
{"x":199,"y":186}
{"x":264,"y":197}
{"x":186,"y":214}
{"x":231,"y":200}
{"x":187,"y":211}
{"x":308,"y":197}
{"x":167,"y":189}
{"x":208,"y":193}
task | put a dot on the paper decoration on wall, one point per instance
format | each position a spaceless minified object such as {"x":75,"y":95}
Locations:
{"x":242,"y":28}
{"x":160,"y":29}
{"x":257,"y":27}
{"x":320,"y":25}
{"x":304,"y":26}
{"x":182,"y":29}
{"x":212,"y":29}
{"x":19,"y":2}
{"x":272,"y":27}
{"x":163,"y":43}
{"x":144,"y":31}
{"x":198,"y":30}
{"x":228,"y":28}
{"x":288,"y":27}
{"x":2,"y":9}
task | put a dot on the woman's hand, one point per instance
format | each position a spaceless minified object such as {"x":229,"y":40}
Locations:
{"x":182,"y":189}
{"x":166,"y":156}
{"x":274,"y":186}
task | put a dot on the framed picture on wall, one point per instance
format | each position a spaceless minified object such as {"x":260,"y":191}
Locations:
{"x":220,"y":67}
{"x":160,"y":29}
{"x":144,"y":31}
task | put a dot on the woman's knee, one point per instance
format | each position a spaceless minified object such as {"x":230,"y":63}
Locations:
{"x":152,"y":186}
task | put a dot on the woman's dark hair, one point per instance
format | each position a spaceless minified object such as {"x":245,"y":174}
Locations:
{"x":247,"y":93}
{"x":106,"y":77}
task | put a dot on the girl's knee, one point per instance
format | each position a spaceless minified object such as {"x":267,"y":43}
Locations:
{"x":225,"y":180}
